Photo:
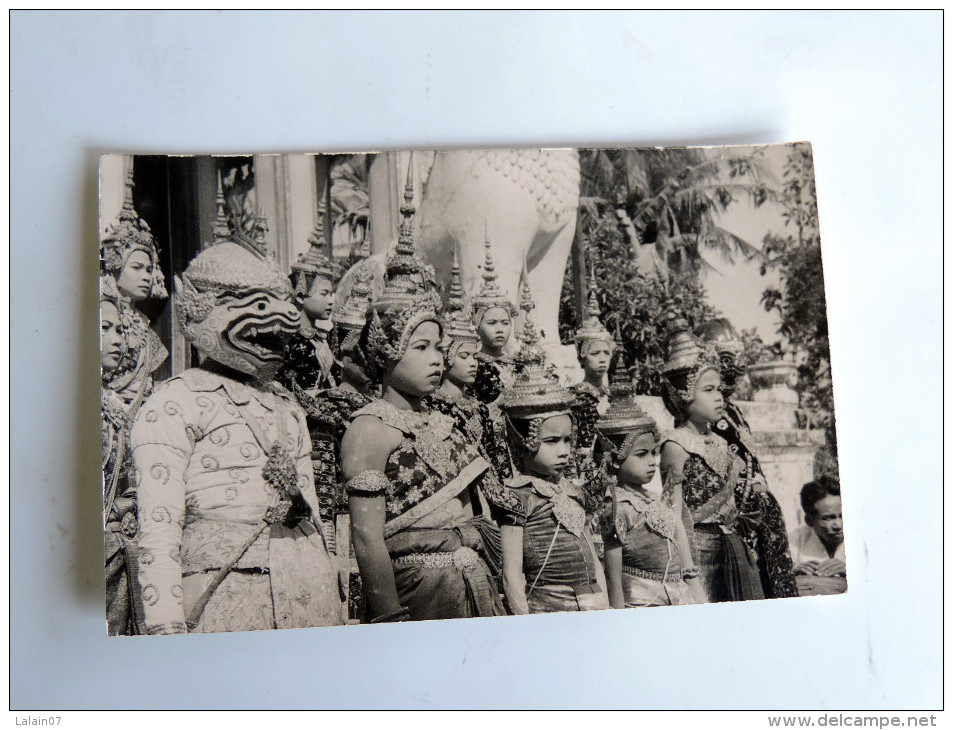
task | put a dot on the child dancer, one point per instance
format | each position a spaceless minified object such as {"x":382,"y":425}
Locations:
{"x":699,"y":472}
{"x":308,"y":360}
{"x":493,"y":315}
{"x":647,"y":557}
{"x":480,"y":423}
{"x":595,"y":346}
{"x":549,"y":560}
{"x":761,"y":524}
{"x":414,"y":480}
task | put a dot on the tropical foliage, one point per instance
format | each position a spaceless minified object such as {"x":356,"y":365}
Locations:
{"x":672,"y":196}
{"x":632,"y":302}
{"x":799,"y":301}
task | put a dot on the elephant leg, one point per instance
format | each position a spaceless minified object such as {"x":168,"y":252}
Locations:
{"x":546,"y":280}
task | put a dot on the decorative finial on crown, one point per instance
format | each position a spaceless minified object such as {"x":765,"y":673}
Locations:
{"x":489,"y":296}
{"x":455,"y":301}
{"x":624,"y":415}
{"x":315,"y":262}
{"x":220,"y":229}
{"x":536,"y":391}
{"x":405,"y":236}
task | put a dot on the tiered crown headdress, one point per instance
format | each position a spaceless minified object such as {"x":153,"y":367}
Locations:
{"x":131,"y":233}
{"x":687,"y":356}
{"x":625,"y":417}
{"x":730,"y":348}
{"x":592,"y":329}
{"x":536,"y":393}
{"x":352,"y":314}
{"x":313,"y":263}
{"x":409,"y":297}
{"x":458,"y":326}
{"x":489,"y":296}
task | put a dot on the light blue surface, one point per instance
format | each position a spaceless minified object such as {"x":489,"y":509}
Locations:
{"x":864,"y":88}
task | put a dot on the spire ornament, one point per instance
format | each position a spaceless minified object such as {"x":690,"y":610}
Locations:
{"x":458,"y":326}
{"x":489,"y":296}
{"x":409,"y":297}
{"x":536,"y":392}
{"x":592,"y":330}
{"x":315,"y":263}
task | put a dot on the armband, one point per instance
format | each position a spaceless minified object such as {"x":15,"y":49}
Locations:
{"x":368,"y":482}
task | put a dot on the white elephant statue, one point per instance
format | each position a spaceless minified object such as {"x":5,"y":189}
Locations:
{"x":524,"y":201}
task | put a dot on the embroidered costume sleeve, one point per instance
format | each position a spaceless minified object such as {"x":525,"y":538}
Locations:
{"x":162,"y":442}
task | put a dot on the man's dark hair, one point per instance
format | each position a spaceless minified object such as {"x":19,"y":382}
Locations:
{"x":814,"y":492}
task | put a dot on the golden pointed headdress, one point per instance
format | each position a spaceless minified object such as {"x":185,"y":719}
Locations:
{"x":489,"y":296}
{"x":592,"y":329}
{"x":131,"y":233}
{"x":624,"y":415}
{"x":409,"y":297}
{"x":315,"y":263}
{"x":687,"y":356}
{"x":458,"y":326}
{"x":536,"y":391}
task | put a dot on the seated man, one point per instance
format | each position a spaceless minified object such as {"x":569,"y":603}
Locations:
{"x":817,"y":547}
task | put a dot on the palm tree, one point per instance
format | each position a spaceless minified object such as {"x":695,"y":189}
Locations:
{"x":673,"y":195}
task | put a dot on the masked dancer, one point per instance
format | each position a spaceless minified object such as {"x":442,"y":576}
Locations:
{"x":229,"y":535}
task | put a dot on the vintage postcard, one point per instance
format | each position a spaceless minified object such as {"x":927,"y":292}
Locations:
{"x":400,"y":386}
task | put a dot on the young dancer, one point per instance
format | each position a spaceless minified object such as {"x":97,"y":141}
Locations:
{"x":414,"y":481}
{"x":493,"y":315}
{"x":549,"y":560}
{"x":699,"y":472}
{"x":761,"y":522}
{"x":647,"y":556}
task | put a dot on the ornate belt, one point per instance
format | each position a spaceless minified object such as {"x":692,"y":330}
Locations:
{"x":462,"y":557}
{"x":674,"y":577}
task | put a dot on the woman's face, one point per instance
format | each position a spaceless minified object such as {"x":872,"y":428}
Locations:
{"x":709,"y":403}
{"x":110,"y":336}
{"x":135,"y":277}
{"x":596,"y":360}
{"x":555,"y":447}
{"x":639,"y":465}
{"x":495,"y":328}
{"x":419,"y":371}
{"x":464,"y":369}
{"x":320,"y":300}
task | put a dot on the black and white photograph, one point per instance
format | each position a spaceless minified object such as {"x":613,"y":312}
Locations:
{"x":610,"y":334}
{"x":416,"y":385}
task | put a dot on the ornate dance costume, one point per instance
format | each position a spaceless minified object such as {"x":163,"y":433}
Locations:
{"x":708,"y":479}
{"x":560,"y":563}
{"x":727,"y":571}
{"x":308,"y":361}
{"x":124,"y":390}
{"x":559,"y":559}
{"x":434,"y":533}
{"x":652,"y":569}
{"x":435,"y":484}
{"x":494,"y":374}
{"x":586,"y":412}
{"x":636,"y":521}
{"x":761,"y":523}
{"x":228,"y":536}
